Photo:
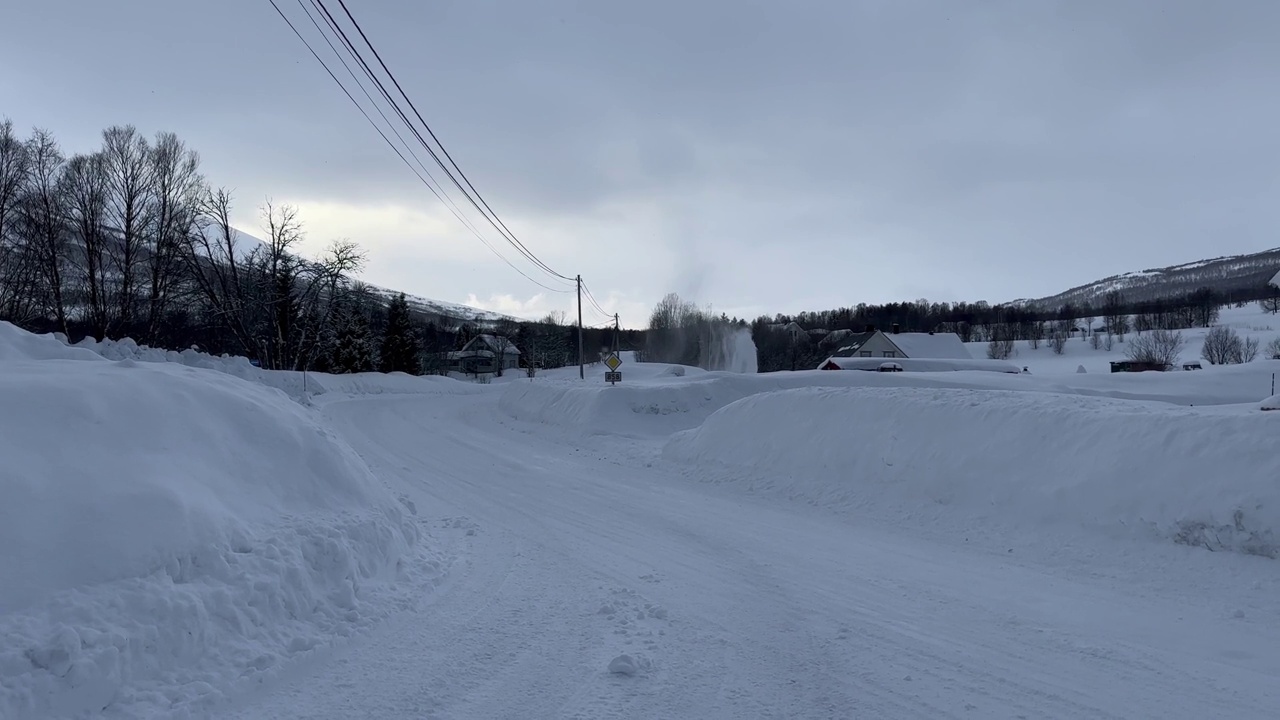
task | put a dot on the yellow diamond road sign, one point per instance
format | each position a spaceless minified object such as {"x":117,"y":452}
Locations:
{"x":614,"y":362}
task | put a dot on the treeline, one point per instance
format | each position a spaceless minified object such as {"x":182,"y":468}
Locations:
{"x":1000,"y":326}
{"x":129,"y":240}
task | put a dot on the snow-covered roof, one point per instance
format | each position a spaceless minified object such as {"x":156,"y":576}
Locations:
{"x":460,"y":354}
{"x":852,"y":342}
{"x":920,"y":365}
{"x":1275,"y":280}
{"x":937,"y":345}
{"x":498,"y":341}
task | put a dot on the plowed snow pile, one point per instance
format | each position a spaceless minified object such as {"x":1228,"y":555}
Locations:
{"x":167,"y":532}
{"x":1202,"y":477}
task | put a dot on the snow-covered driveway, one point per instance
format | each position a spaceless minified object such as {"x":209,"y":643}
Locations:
{"x":572,"y":552}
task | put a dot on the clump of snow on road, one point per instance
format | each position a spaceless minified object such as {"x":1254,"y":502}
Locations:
{"x":1201,"y":477}
{"x":168,"y":532}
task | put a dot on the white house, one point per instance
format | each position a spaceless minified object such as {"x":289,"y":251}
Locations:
{"x":485,"y":354}
{"x":876,"y":344}
{"x":793,"y":330}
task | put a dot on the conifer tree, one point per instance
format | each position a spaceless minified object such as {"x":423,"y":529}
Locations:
{"x":400,"y":342}
{"x":353,"y":344}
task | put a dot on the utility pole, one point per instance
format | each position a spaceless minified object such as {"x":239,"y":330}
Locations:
{"x":616,"y":331}
{"x":582,"y":373}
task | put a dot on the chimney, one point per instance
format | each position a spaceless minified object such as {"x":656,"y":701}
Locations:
{"x":896,"y":329}
{"x":870,"y":327}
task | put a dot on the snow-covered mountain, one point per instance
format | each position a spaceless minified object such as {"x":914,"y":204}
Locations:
{"x":1226,"y":274}
{"x":437,"y":310}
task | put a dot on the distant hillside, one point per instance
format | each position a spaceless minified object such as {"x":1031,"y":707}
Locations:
{"x":1230,"y":276}
{"x":443,"y":312}
{"x":438,"y":311}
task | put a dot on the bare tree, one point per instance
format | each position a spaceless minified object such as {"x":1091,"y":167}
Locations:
{"x":40,"y":215}
{"x":1273,"y":349}
{"x":1113,"y":310}
{"x":282,"y":272}
{"x":1221,"y":345}
{"x":325,"y":290}
{"x":17,"y":258}
{"x":129,"y":177}
{"x":1095,"y":340}
{"x":1035,"y":333}
{"x":84,"y":190}
{"x":1058,"y":342}
{"x":219,"y":267}
{"x":1249,"y":350}
{"x":1001,"y":346}
{"x":1159,"y":347}
{"x":176,"y":188}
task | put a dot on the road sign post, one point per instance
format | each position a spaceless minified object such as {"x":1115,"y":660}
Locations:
{"x":613,"y":362}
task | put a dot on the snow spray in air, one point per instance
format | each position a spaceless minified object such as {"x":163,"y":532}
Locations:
{"x":731,"y":350}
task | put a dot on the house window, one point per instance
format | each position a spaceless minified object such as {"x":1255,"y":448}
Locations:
{"x":890,"y":353}
{"x":865,"y":353}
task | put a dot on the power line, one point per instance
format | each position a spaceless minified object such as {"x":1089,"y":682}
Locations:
{"x":328,"y":21}
{"x":355,"y":53}
{"x":495,"y":219}
{"x":438,"y":194}
{"x":485,"y":211}
{"x":470,"y":192}
{"x":595,"y":303}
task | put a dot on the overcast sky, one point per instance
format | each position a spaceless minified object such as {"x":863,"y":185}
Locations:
{"x":759,"y":157}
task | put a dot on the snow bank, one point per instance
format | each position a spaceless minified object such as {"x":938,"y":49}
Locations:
{"x":628,"y":410}
{"x":17,"y":344}
{"x":966,"y":456}
{"x":665,"y":403}
{"x":167,"y":532}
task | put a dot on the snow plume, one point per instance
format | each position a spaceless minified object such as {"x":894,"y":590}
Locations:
{"x":679,"y":332}
{"x":730,"y":349}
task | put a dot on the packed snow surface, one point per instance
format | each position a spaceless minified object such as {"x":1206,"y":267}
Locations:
{"x":188,"y":536}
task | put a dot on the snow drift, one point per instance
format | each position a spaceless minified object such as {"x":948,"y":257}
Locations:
{"x":17,"y":344}
{"x":167,"y":531}
{"x":946,"y":456}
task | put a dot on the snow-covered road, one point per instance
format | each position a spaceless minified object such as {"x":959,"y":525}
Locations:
{"x":571,"y":552}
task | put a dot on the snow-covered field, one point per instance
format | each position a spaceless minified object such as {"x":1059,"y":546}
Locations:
{"x":1249,"y":321}
{"x":186,"y":536}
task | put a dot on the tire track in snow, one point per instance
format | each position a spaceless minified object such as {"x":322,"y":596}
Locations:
{"x":771,"y":612}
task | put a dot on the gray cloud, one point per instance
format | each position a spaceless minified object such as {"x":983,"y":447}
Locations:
{"x":765,"y":156}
